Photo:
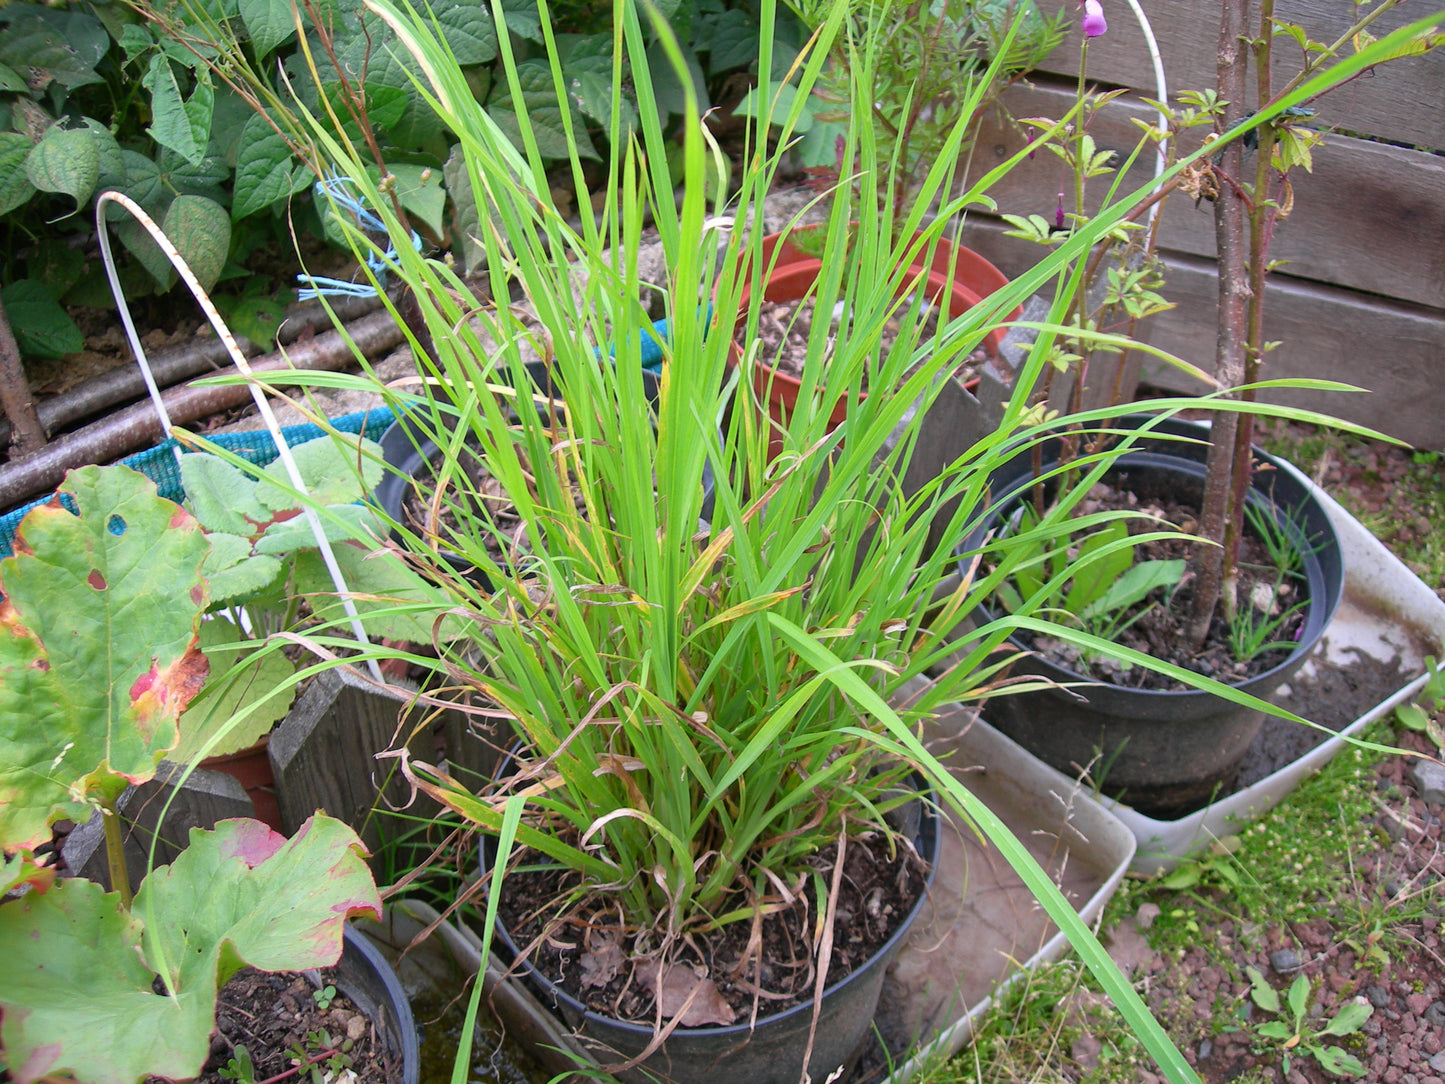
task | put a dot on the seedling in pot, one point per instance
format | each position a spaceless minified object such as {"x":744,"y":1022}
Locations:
{"x":1292,"y":1029}
{"x":99,"y":655}
{"x":1108,"y":584}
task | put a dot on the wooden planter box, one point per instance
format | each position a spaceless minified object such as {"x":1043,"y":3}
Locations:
{"x":323,"y":756}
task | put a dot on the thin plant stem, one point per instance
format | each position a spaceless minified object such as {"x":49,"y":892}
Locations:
{"x":115,"y":855}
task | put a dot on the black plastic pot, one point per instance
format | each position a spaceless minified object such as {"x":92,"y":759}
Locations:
{"x":364,"y":976}
{"x":1166,"y":752}
{"x":770,"y":1052}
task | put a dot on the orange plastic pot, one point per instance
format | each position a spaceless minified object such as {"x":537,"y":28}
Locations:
{"x":972,"y":279}
{"x":251,"y":767}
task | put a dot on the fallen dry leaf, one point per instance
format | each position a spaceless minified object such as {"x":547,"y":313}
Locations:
{"x":678,"y":983}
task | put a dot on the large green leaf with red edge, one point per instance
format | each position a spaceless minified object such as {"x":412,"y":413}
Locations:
{"x":78,"y":995}
{"x":98,"y":652}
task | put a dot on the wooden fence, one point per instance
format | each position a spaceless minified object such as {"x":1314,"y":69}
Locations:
{"x":1361,"y":298}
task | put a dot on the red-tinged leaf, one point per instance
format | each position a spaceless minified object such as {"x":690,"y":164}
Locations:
{"x":238,"y":895}
{"x":77,"y":996}
{"x":98,"y":647}
{"x":245,"y":893}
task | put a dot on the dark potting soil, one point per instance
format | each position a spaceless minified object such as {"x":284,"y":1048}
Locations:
{"x":1156,"y":626}
{"x":279,"y":1021}
{"x":614,"y":971}
{"x":784,"y":327}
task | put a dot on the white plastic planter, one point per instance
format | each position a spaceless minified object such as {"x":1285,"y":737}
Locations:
{"x":1388,"y":613}
{"x":966,"y":947}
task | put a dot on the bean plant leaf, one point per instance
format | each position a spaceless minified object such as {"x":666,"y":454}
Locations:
{"x":265,"y":170}
{"x":200,"y":229}
{"x":31,"y":43}
{"x":468,"y":30}
{"x":65,"y":161}
{"x":421,"y":193}
{"x":241,"y":894}
{"x":181,"y":123}
{"x":15,"y":186}
{"x":98,"y":652}
{"x":42,"y":327}
{"x":734,"y":41}
{"x":10,"y":80}
{"x":269,"y":22}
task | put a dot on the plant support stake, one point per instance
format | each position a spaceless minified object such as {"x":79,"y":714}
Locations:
{"x":239,"y":360}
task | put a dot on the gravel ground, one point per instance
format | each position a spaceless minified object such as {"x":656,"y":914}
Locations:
{"x":1403,"y":980}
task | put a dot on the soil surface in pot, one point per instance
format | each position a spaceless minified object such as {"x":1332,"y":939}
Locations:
{"x":607,"y":969}
{"x":784,"y":327}
{"x":279,"y":1021}
{"x":1270,"y":601}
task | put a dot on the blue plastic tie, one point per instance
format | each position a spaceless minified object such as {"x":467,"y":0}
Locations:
{"x":339,"y":190}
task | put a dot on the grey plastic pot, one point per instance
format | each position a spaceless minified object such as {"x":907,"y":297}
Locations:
{"x":770,"y":1052}
{"x":1165,"y":752}
{"x":365,"y":977}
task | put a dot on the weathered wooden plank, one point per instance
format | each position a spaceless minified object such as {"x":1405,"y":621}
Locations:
{"x":1402,"y":101}
{"x":324,"y":755}
{"x":1393,"y":350}
{"x":1371,"y":217}
{"x":203,"y":799}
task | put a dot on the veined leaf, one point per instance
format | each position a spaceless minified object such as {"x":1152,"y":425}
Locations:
{"x":1261,"y":992}
{"x":65,"y":161}
{"x":15,"y":186}
{"x":43,"y":329}
{"x":182,"y":124}
{"x":200,"y":229}
{"x":269,"y":22}
{"x":233,"y":897}
{"x":98,"y":652}
{"x":264,"y":169}
{"x":233,"y":686}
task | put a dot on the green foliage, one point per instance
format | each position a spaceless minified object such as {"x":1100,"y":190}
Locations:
{"x":182,"y":110}
{"x":238,"y":895}
{"x":1091,"y":579}
{"x":1422,"y":715}
{"x":1293,"y":1031}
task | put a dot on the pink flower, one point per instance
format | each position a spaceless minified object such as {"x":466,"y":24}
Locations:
{"x":1094,"y":23}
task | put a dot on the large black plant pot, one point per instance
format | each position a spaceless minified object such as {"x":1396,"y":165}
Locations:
{"x":1166,"y":752}
{"x":370,"y":983}
{"x":771,"y":1052}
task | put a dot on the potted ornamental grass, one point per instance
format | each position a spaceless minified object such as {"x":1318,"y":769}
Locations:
{"x":708,"y":732}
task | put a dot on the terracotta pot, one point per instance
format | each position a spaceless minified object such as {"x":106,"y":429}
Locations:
{"x":973,"y":278}
{"x":251,"y":768}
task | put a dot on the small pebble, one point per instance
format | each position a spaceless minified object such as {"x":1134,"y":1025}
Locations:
{"x":1437,"y":1062}
{"x":1205,"y":1049}
{"x":1378,"y":996}
{"x":1429,"y":779}
{"x":1435,"y":1014}
{"x":1284,"y":960}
